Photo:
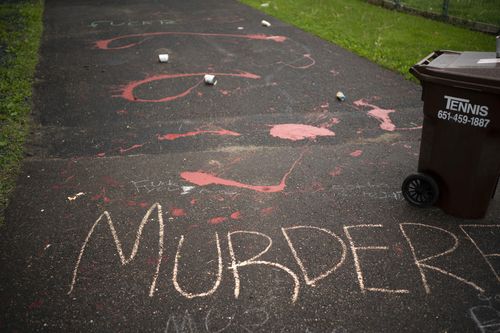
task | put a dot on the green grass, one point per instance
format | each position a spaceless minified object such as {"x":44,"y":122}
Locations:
{"x":20,"y":31}
{"x":392,"y":39}
{"x":486,"y":11}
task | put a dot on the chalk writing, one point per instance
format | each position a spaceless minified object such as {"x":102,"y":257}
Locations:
{"x":111,"y":23}
{"x":241,"y":259}
{"x":487,"y":316}
{"x":148,"y":186}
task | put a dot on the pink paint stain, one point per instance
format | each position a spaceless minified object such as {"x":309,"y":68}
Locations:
{"x":142,"y":204}
{"x":337,"y":171}
{"x":236,"y":215}
{"x":35,"y":305}
{"x":217,"y":220}
{"x":177,"y":212}
{"x":193,"y":202}
{"x":128,"y":90}
{"x":172,"y":136}
{"x":356,"y":153}
{"x":101,"y":195}
{"x":296,"y":132}
{"x":104,"y":43}
{"x":124,"y":150}
{"x":203,"y":179}
{"x":224,"y":92}
{"x":101,"y":154}
{"x":382,"y":115}
{"x":267,"y":211}
{"x":330,"y":123}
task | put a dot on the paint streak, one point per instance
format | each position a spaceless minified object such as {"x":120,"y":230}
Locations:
{"x":36,"y":304}
{"x":311,"y":63}
{"x":142,"y":204}
{"x":356,"y":153}
{"x":296,"y":132}
{"x":267,"y":211}
{"x":217,"y":220}
{"x":337,"y":171}
{"x":104,"y":44}
{"x":124,"y":150}
{"x":128,"y":90}
{"x":330,"y":123}
{"x":203,"y":179}
{"x":236,"y":215}
{"x":172,"y":136}
{"x":177,"y":212}
{"x":382,"y":115}
{"x":101,"y":154}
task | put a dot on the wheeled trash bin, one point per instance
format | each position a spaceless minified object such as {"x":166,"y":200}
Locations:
{"x":459,"y":162}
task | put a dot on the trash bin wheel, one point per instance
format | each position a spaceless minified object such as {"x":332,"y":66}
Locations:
{"x":420,"y":190}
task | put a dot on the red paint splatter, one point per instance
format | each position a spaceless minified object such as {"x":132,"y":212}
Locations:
{"x":172,"y":136}
{"x":142,"y":204}
{"x":336,"y":171}
{"x":193,"y":202}
{"x":382,"y":115}
{"x":101,"y":195}
{"x":267,"y":211}
{"x":296,"y":132}
{"x":203,"y":179}
{"x":111,"y":181}
{"x":330,"y":123}
{"x":104,"y":43}
{"x":177,"y":212}
{"x":36,"y":304}
{"x":124,"y":150}
{"x":121,"y":112}
{"x":217,"y":220}
{"x":128,"y":90}
{"x":356,"y":153}
{"x":101,"y":154}
{"x":236,"y":215}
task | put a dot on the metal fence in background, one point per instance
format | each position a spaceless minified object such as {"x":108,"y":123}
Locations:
{"x":482,"y":15}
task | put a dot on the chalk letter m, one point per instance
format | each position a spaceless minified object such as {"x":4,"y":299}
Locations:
{"x":123,"y":259}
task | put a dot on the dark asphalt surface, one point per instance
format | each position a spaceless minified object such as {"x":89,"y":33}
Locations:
{"x":180,"y":207}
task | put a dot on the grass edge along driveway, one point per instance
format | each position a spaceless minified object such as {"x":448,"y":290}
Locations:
{"x":391,"y":39}
{"x":20,"y":33}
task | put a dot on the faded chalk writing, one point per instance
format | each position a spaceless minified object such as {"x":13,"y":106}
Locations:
{"x":114,"y":24}
{"x":487,"y":316}
{"x":148,"y":186}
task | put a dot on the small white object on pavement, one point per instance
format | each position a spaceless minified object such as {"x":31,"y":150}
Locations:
{"x":210,"y":79}
{"x":163,"y":57}
{"x":265,"y":23}
{"x":265,"y":4}
{"x":340,"y":96}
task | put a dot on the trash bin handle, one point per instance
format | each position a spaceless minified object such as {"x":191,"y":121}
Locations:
{"x":427,"y":60}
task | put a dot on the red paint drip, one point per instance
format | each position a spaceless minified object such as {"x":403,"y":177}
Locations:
{"x":217,"y":220}
{"x":104,"y":43}
{"x":336,"y":171}
{"x":122,"y":150}
{"x":236,"y":215}
{"x":382,"y":115}
{"x":177,"y":212}
{"x":203,"y":179}
{"x":356,"y":153}
{"x":267,"y":211}
{"x":128,"y":90}
{"x":296,"y":132}
{"x":172,"y":136}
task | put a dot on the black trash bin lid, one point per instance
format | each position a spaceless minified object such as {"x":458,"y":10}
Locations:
{"x":470,"y":70}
